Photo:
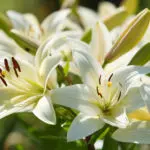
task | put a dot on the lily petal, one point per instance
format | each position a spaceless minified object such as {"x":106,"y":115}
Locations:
{"x":5,"y":111}
{"x":83,"y":126}
{"x":44,"y":110}
{"x":133,"y":100}
{"x":128,"y":76}
{"x":117,"y":118}
{"x":48,"y":65}
{"x":79,"y":97}
{"x":145,"y":93}
{"x":90,"y":69}
{"x":137,"y":132}
{"x":88,"y":16}
{"x":106,"y":9}
{"x":35,"y":30}
{"x":51,"y":23}
{"x":101,"y":41}
{"x":18,"y":20}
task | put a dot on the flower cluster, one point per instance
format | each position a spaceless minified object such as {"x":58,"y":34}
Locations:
{"x":107,"y":51}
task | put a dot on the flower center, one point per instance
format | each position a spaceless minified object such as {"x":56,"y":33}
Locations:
{"x":109,"y":94}
{"x":3,"y":73}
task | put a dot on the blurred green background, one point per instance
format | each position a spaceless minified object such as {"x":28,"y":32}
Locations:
{"x":42,"y":8}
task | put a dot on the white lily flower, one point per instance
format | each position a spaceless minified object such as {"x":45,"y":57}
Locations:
{"x":103,"y":98}
{"x":66,"y":44}
{"x":26,"y":87}
{"x":28,"y":25}
{"x":139,"y":128}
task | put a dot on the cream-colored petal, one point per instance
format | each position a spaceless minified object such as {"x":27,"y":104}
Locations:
{"x":44,"y":110}
{"x":18,"y":20}
{"x":101,"y":41}
{"x":79,"y":97}
{"x":90,"y":69}
{"x":133,"y":100}
{"x":47,"y":66}
{"x":137,"y":132}
{"x":83,"y":126}
{"x":117,"y":117}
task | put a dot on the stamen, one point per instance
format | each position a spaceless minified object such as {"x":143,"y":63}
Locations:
{"x":119,"y":96}
{"x":99,"y":92}
{"x":110,"y":77}
{"x":3,"y":80}
{"x":6,"y":65}
{"x":100,"y":79}
{"x":0,"y":71}
{"x":109,"y":84}
{"x":15,"y":64}
{"x":3,"y":73}
{"x":16,"y":73}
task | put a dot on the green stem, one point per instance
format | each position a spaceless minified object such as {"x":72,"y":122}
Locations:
{"x":89,"y":145}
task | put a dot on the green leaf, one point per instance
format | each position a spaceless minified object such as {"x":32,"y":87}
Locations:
{"x":116,"y":19}
{"x":45,"y":137}
{"x":142,"y":56}
{"x":87,"y":36}
{"x":131,"y":5}
{"x":25,"y":42}
{"x":130,"y":37}
{"x":70,"y":79}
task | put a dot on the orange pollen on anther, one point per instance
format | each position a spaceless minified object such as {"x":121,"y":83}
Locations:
{"x":15,"y":64}
{"x":98,"y":92}
{"x":3,"y":80}
{"x":109,"y":84}
{"x":6,"y":65}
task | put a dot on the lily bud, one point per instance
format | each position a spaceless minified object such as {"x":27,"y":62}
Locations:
{"x":130,"y":37}
{"x":116,"y":19}
{"x":130,"y":5}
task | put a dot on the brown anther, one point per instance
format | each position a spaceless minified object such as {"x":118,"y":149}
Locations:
{"x":15,"y":64}
{"x":99,"y":92}
{"x":119,"y":96}
{"x":6,"y":65}
{"x":110,"y":77}
{"x":16,"y":73}
{"x":0,"y":71}
{"x":100,"y":79}
{"x":3,"y":80}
